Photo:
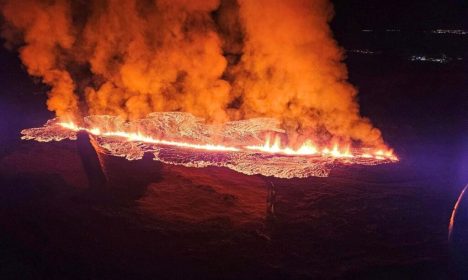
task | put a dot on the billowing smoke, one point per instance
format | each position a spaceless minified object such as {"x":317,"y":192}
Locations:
{"x":46,"y":37}
{"x":220,"y":60}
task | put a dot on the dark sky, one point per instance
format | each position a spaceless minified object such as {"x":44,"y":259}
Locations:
{"x":404,"y":14}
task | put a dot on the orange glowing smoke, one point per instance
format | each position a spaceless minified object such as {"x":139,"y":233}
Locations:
{"x":220,"y":60}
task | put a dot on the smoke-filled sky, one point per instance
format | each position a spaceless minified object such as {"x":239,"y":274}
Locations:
{"x":217,"y":59}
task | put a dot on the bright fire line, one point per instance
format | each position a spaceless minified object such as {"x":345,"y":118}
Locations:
{"x":272,"y":147}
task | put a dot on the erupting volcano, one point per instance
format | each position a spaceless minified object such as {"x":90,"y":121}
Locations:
{"x":255,"y":86}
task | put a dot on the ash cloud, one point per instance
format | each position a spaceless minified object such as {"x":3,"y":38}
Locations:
{"x":220,"y":60}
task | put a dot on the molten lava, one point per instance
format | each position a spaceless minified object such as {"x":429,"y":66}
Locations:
{"x":249,"y":146}
{"x":306,"y":149}
{"x":139,"y":137}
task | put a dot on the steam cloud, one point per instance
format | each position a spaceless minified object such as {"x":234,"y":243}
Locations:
{"x":220,"y":60}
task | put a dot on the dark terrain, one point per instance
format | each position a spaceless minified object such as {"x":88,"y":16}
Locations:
{"x":383,"y":222}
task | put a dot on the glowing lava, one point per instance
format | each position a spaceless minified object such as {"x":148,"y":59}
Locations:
{"x":308,"y":148}
{"x":139,"y":137}
{"x":252,"y":146}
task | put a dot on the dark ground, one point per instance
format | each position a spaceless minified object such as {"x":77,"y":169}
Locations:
{"x":385,"y":222}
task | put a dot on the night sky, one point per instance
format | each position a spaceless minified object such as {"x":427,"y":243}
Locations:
{"x":400,"y":14}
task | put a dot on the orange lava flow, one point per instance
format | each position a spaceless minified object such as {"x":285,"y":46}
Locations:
{"x":308,"y":148}
{"x":271,"y":146}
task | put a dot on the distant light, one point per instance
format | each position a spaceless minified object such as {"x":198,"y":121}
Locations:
{"x":450,"y":31}
{"x":442,"y":59}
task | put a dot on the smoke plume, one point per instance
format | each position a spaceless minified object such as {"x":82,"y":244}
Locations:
{"x":217,"y":59}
